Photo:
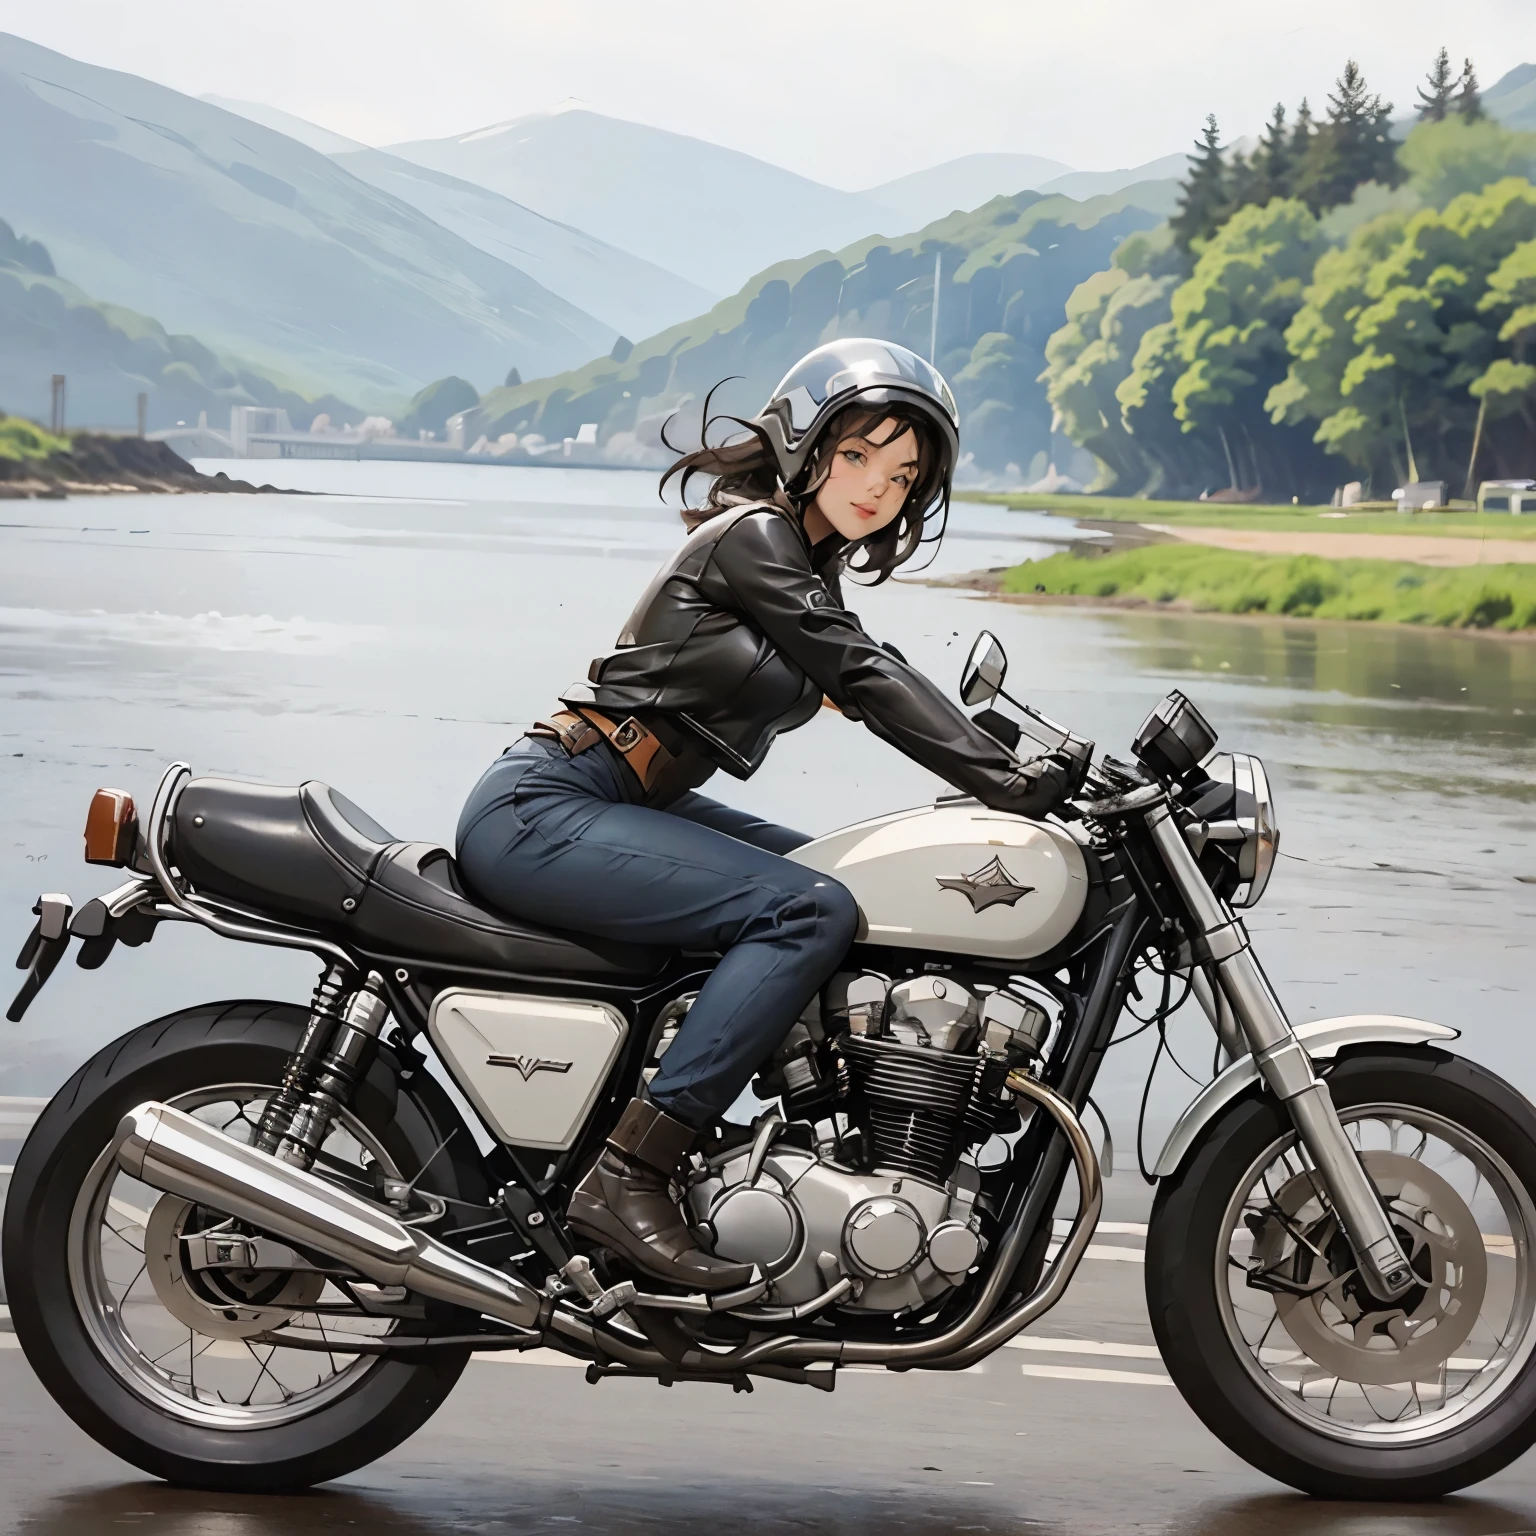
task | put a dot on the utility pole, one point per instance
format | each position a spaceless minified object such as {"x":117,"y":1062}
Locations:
{"x":143,"y":413}
{"x":56,"y":406}
{"x":933,"y":335}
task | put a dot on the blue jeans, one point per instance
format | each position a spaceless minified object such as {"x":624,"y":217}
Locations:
{"x":562,"y":841}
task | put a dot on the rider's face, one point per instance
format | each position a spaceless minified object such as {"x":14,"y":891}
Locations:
{"x":869,"y":480}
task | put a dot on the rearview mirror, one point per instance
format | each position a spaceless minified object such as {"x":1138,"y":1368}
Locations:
{"x":985,"y":669}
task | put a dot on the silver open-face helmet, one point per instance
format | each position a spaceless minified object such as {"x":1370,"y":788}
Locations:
{"x":858,"y":371}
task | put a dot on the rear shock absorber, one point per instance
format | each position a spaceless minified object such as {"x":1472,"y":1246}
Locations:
{"x":337,"y":1072}
{"x":299,"y":1075}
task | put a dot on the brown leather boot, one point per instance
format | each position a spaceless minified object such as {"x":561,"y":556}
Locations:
{"x":625,"y":1203}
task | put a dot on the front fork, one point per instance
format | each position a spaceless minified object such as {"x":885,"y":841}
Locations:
{"x":1282,"y":1060}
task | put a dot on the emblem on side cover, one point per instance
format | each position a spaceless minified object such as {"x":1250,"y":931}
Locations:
{"x":527,"y":1065}
{"x":987,"y":886}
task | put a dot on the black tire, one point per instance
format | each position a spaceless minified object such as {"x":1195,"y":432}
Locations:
{"x":236,"y":1042}
{"x":1181,"y":1283}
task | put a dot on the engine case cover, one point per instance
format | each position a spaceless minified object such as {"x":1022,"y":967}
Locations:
{"x":532,"y":1066}
{"x":960,"y":878}
{"x":863,"y":1225}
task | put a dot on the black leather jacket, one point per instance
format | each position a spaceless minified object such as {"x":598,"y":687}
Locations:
{"x":738,"y":637}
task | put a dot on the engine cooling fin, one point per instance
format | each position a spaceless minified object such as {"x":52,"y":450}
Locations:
{"x":914,"y":1102}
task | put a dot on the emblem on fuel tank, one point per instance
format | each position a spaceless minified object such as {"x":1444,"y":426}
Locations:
{"x":527,"y":1065}
{"x":987,"y":886}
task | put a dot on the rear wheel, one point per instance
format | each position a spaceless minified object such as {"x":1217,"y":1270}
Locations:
{"x":1277,"y":1345}
{"x":164,"y":1358}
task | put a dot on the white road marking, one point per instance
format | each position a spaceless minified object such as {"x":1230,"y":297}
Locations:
{"x":1104,"y":1251}
{"x":1086,"y":1347}
{"x":1495,"y":1243}
{"x":132,"y":1212}
{"x":9,"y":1341}
{"x":529,"y":1357}
{"x":1084,"y":1373}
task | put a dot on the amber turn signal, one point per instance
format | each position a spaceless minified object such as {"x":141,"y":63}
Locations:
{"x":111,"y":825}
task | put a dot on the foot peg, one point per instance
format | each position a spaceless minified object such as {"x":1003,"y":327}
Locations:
{"x":604,"y":1302}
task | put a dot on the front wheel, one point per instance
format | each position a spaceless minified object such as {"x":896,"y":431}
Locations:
{"x":171,"y":1366}
{"x":1274,"y":1341}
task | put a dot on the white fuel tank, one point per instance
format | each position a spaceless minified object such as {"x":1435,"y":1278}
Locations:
{"x":958,"y":877}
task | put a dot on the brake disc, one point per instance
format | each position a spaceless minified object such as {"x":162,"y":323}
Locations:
{"x":238,"y":1303}
{"x":1339,"y":1325}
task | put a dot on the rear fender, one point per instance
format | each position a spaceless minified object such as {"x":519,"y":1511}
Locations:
{"x":1324,"y":1039}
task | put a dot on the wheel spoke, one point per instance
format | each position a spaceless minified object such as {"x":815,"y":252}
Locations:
{"x":146,"y":1317}
{"x":1332,"y":1352}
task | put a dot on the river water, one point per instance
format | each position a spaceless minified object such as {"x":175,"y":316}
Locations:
{"x":393,"y":633}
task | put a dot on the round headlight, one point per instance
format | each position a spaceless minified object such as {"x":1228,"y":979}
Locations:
{"x":1261,"y":847}
{"x":1253,"y":815}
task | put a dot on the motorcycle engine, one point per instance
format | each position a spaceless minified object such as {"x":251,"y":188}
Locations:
{"x":891,"y":1206}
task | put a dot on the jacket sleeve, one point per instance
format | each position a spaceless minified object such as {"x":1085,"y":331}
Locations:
{"x":762,"y":564}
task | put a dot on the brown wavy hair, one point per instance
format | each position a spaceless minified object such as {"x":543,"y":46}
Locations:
{"x":745,"y":468}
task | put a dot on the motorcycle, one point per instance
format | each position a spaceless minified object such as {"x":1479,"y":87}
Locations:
{"x":252,"y":1245}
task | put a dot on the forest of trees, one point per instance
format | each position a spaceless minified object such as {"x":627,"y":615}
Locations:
{"x":1004,"y":270}
{"x":1343,"y":301}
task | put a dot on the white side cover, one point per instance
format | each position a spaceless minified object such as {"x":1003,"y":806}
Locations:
{"x":1323,"y":1038}
{"x":532,"y":1066}
{"x":958,"y":877}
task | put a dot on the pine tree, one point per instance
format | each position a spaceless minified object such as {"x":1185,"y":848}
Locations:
{"x":1469,"y":98}
{"x":1436,"y":101}
{"x":1275,"y":157}
{"x":1302,"y":134}
{"x":1203,"y":200}
{"x":1354,"y":145}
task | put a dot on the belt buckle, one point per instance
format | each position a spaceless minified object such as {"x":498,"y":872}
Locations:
{"x":628,"y":736}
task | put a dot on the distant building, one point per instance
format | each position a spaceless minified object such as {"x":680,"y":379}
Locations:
{"x":1420,"y":496}
{"x":247,"y":421}
{"x":1512,"y":496}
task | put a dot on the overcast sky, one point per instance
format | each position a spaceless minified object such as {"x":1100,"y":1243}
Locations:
{"x":850,"y":94}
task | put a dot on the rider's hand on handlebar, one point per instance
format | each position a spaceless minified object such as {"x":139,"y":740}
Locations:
{"x":1043,"y":783}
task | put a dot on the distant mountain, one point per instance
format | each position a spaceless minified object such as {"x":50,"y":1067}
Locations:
{"x":1085,"y":184}
{"x":1512,"y":100}
{"x":258,"y":244}
{"x":630,"y":294}
{"x":633,"y":296}
{"x":711,"y":214}
{"x":300,"y":128}
{"x":110,"y":355}
{"x":1008,"y":268}
{"x":967,"y":182}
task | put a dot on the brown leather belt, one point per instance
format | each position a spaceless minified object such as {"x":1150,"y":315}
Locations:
{"x":640,"y":748}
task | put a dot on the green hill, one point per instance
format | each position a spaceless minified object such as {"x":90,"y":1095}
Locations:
{"x":1512,"y":100}
{"x":257,"y":243}
{"x":1007,"y":269}
{"x":109,"y":355}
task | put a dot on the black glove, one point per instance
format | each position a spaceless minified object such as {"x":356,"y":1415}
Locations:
{"x":1040,"y":785}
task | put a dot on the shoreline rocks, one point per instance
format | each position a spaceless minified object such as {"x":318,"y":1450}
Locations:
{"x":97,"y":465}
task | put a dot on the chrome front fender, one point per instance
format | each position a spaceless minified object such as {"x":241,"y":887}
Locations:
{"x":1323,"y":1038}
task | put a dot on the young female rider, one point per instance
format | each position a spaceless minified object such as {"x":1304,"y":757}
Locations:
{"x":592,"y":822}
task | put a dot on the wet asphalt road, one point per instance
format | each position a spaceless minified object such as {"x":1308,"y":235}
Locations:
{"x":1081,"y":1441}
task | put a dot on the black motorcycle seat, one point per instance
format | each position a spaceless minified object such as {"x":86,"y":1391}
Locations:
{"x":309,"y":856}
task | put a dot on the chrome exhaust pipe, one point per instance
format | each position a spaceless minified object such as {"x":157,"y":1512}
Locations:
{"x":171,"y":1151}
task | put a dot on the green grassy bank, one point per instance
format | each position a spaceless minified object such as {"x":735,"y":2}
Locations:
{"x":21,"y":439}
{"x":1278,"y":519}
{"x":1499,"y":597}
